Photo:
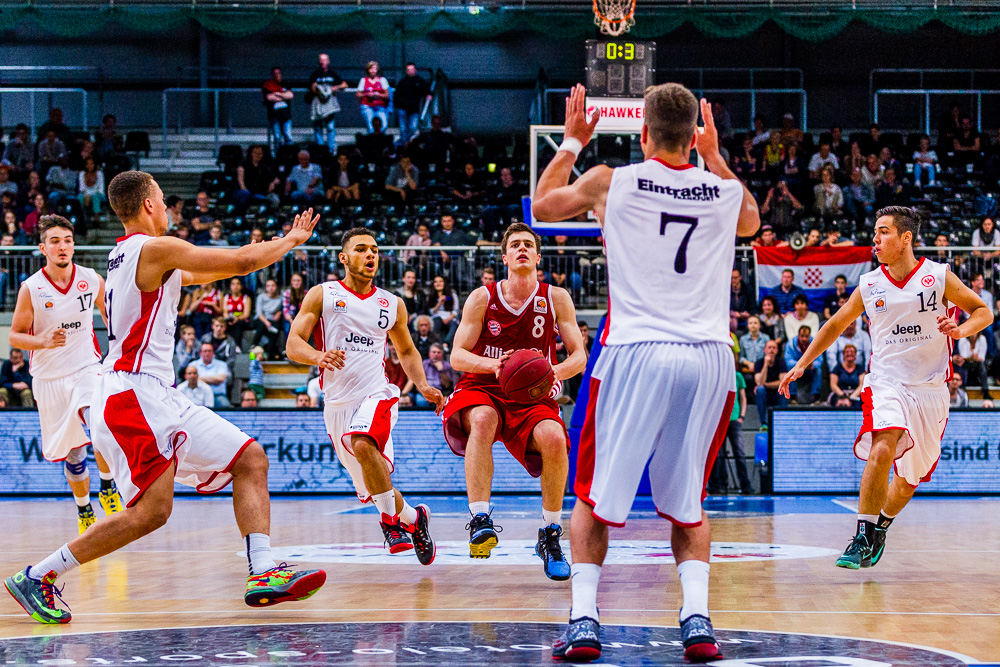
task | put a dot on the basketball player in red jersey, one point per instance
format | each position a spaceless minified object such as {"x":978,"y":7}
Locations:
{"x":513,"y":314}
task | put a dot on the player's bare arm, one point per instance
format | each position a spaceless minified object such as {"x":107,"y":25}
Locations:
{"x":980,"y":317}
{"x":569,"y":331}
{"x":707,"y":144}
{"x":555,"y":199}
{"x":462,"y":358}
{"x":100,"y":300}
{"x":199,"y":264}
{"x":824,"y":338}
{"x":20,"y":327}
{"x":409,"y":358}
{"x":298,"y":348}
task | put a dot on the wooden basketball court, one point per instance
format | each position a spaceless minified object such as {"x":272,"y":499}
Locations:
{"x":936,"y":587}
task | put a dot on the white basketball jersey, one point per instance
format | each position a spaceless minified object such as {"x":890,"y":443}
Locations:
{"x":359,"y":325}
{"x":140,"y":324}
{"x":907,"y":347}
{"x":72,"y":310}
{"x":670,"y":238}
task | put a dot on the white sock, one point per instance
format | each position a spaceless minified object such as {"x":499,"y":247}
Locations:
{"x":82,"y":501}
{"x":550,"y":517}
{"x":407,"y":515}
{"x":106,"y":475}
{"x":479,"y":508}
{"x":584,"y":578}
{"x":385,"y":503}
{"x":60,"y":562}
{"x":694,"y":585}
{"x":259,"y":556}
{"x":870,"y":518}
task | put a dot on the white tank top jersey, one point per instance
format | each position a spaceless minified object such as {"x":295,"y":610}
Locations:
{"x":140,"y":324}
{"x":359,"y":325}
{"x":907,"y":347}
{"x":73,"y":310}
{"x":670,"y":239}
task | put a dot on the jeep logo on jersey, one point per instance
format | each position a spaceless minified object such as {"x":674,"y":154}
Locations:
{"x":383,"y":302}
{"x":927,"y":281}
{"x":71,"y":325}
{"x":541,"y":305}
{"x":360,"y":340}
{"x":494,"y":327}
{"x":900,"y":329}
{"x":82,"y":285}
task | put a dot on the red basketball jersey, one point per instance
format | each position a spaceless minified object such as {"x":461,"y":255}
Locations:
{"x":532,"y":327}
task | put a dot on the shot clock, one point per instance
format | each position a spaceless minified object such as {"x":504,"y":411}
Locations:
{"x":619,"y":69}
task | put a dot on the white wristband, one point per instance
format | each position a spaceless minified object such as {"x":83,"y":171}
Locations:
{"x":571,"y":145}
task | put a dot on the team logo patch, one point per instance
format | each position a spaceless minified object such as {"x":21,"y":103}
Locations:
{"x":82,"y":285}
{"x":340,"y":306}
{"x":383,"y":302}
{"x":541,"y":305}
{"x":880,"y":305}
{"x":927,"y":281}
{"x":494,"y":327}
{"x":49,"y":305}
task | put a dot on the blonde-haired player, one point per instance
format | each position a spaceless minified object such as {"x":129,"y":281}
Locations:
{"x":905,"y":392}
{"x":54,"y":321}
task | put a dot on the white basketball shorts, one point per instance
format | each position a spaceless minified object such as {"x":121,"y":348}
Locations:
{"x":667,"y":404}
{"x":61,"y":403}
{"x":374,"y":416}
{"x":141,"y":425}
{"x":921,"y":412}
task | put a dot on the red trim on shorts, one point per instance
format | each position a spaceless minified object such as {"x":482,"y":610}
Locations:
{"x":717,"y":440}
{"x":380,"y":429}
{"x":360,"y":296}
{"x":457,"y":404}
{"x":137,"y":339}
{"x":587,"y":451}
{"x":72,"y":280}
{"x":319,"y":341}
{"x":590,"y":502}
{"x":902,"y":283}
{"x":124,"y":418}
{"x":79,"y":413}
{"x":679,"y":524}
{"x":867,"y":408}
{"x":223,"y":472}
{"x":97,"y":345}
{"x":673,"y":166}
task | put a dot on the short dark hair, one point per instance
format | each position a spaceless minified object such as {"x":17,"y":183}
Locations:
{"x":515,"y":228}
{"x":840,"y":276}
{"x":873,"y":126}
{"x":408,"y":64}
{"x":784,"y":271}
{"x":172,"y":201}
{"x":127,"y":192}
{"x":671,"y":113}
{"x":807,"y":328}
{"x":351,"y":233}
{"x":904,"y":218}
{"x":47,"y":222}
{"x":489,"y":270}
{"x":800,"y":298}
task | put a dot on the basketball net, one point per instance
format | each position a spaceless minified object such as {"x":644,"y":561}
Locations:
{"x":614,"y":16}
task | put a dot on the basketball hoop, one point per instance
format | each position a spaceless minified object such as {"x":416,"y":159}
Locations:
{"x":614,"y":17}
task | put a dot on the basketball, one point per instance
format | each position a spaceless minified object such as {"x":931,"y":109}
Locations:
{"x":526,"y":376}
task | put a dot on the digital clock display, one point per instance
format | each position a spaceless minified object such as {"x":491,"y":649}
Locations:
{"x":620,"y":69}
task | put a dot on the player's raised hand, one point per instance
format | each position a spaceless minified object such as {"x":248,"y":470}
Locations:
{"x":948,"y":326}
{"x":434,"y":396}
{"x":503,"y":357}
{"x":707,"y":137}
{"x":790,"y":377}
{"x":331,"y":360}
{"x":54,"y":336}
{"x":302,"y":227}
{"x":576,"y":115}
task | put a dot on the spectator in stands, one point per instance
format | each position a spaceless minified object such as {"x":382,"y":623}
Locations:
{"x":741,"y":301}
{"x":873,"y":171}
{"x":175,"y":212}
{"x":203,"y":217}
{"x":454,"y":261}
{"x":972,"y":351}
{"x":413,"y":298}
{"x":563,"y":266}
{"x":768,"y":372}
{"x":806,"y":389}
{"x":198,"y":392}
{"x":830,"y":303}
{"x":789,"y":133}
{"x":60,"y":181}
{"x":31,"y":186}
{"x":467,"y":185}
{"x":377,"y":147}
{"x":986,"y":235}
{"x":760,"y":134}
{"x":236,"y":309}
{"x":346,"y":181}
{"x":889,"y":161}
{"x":487,"y":277}
{"x":396,"y":375}
{"x":950,"y":125}
{"x":213,"y":372}
{"x":718,"y":481}
{"x":224,"y":345}
{"x":256,"y":181}
{"x":215,"y":237}
{"x":792,"y":168}
{"x":856,"y":159}
{"x":373,"y":91}
{"x":7,"y":185}
{"x":958,"y":397}
{"x":305,"y":182}
{"x":202,"y":306}
{"x":967,"y":145}
{"x":277,"y":101}
{"x":752,"y":344}
{"x":503,"y":204}
{"x":291,"y":299}
{"x":781,"y":207}
{"x":924,"y":162}
{"x":39,"y":207}
{"x":108,"y":141}
{"x":91,"y":187}
{"x":15,"y":381}
{"x":248,"y":399}
{"x":786,"y":292}
{"x":824,"y":157}
{"x":833,"y":239}
{"x":873,"y":142}
{"x":51,"y":151}
{"x":800,"y":316}
{"x":55,"y":123}
{"x":846,"y":381}
{"x":829,"y":198}
{"x":859,"y":198}
{"x":745,"y":159}
{"x":978,"y":285}
{"x":855,"y":337}
{"x":891,"y":192}
{"x":812,"y":238}
{"x":838,"y":146}
{"x":439,"y":373}
{"x":774,"y":153}
{"x":187,"y":349}
{"x":424,"y":336}
{"x":323,"y":86}
{"x":433,"y":145}
{"x":411,"y":92}
{"x":443,"y":305}
{"x":7,"y":266}
{"x":420,"y":238}
{"x":13,"y":227}
{"x":302,"y":401}
{"x":20,"y":152}
{"x":403,"y":178}
{"x":767,"y":239}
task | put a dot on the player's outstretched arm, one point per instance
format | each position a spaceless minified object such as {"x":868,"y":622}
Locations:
{"x":462,"y":358}
{"x":824,"y":338}
{"x":980,"y":317}
{"x":20,"y":327}
{"x":201,"y":264}
{"x":409,"y":358}
{"x":707,"y":144}
{"x":297,"y":347}
{"x":569,"y":331}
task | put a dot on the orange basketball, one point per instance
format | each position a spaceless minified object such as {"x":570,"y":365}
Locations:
{"x":526,"y":376}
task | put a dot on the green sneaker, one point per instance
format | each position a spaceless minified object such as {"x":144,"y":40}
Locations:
{"x":878,"y":545}
{"x":38,"y":597}
{"x":857,"y":555}
{"x":280,"y":584}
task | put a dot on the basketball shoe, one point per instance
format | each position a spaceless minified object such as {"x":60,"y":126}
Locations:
{"x":699,"y":639}
{"x":857,"y":555}
{"x":280,"y":584}
{"x":482,"y":535}
{"x":38,"y":596}
{"x":111,"y":500}
{"x":550,"y":551}
{"x":878,"y":545}
{"x":85,"y":517}
{"x":580,"y":643}
{"x":396,"y":537}
{"x":423,"y":543}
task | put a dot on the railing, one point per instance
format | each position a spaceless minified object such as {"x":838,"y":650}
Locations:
{"x":976,"y":94}
{"x":13,"y":113}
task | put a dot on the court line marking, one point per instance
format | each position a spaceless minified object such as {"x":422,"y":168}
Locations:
{"x":958,"y":656}
{"x":812,"y":612}
{"x":853,"y":509}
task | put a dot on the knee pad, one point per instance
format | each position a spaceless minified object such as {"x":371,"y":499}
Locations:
{"x":76,"y":465}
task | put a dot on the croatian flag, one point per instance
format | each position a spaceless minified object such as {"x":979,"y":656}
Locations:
{"x":815,"y":270}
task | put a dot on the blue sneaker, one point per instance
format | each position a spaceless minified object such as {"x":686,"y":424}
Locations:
{"x":580,"y":643}
{"x":482,"y":535}
{"x":699,"y":639}
{"x":549,"y":550}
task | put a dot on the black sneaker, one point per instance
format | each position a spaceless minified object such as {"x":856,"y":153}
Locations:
{"x":397,"y":539}
{"x":423,"y":543}
{"x":699,"y":639}
{"x":878,"y":545}
{"x":580,"y":643}
{"x":550,"y":551}
{"x":482,"y":535}
{"x":857,"y":555}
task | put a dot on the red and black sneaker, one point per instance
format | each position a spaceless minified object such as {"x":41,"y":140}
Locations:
{"x":423,"y":543}
{"x":699,"y":639}
{"x":397,"y":539}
